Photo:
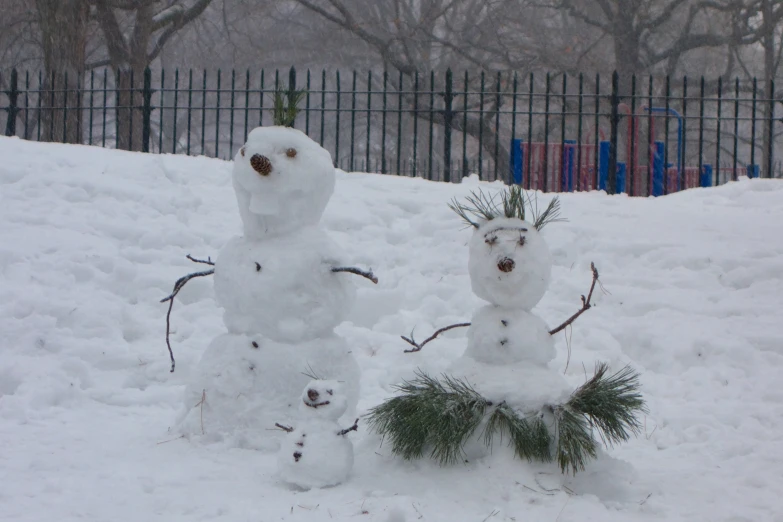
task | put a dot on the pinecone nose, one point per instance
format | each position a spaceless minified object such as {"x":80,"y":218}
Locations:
{"x":312,"y":395}
{"x":261,"y":164}
{"x":506,"y":265}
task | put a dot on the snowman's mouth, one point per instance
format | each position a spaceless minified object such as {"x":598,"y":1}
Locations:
{"x":315,"y":404}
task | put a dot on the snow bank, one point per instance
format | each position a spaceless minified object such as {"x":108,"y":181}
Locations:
{"x":92,"y":239}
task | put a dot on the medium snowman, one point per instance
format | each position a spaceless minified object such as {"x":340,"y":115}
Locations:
{"x":509,"y":347}
{"x":317,"y":452}
{"x":283,"y":287}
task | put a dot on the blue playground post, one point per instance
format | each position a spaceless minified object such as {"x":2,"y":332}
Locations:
{"x":657,"y":181}
{"x":516,"y":161}
{"x":622,"y":174}
{"x":705,"y":178}
{"x":567,"y":174}
{"x":753,"y":171}
{"x":603,"y":164}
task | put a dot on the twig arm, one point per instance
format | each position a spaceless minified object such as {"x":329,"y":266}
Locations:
{"x":352,"y":270}
{"x":355,"y":427}
{"x":417,"y":347}
{"x":208,"y":261}
{"x":586,"y":305}
{"x":178,"y":285}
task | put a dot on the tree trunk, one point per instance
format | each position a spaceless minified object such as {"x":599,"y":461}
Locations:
{"x":768,"y":42}
{"x":129,"y":114}
{"x":63,"y":26}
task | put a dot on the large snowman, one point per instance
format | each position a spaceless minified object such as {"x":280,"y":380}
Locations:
{"x":283,"y":287}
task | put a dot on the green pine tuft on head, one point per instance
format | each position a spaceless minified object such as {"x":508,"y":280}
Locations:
{"x":514,"y":203}
{"x":285,"y":107}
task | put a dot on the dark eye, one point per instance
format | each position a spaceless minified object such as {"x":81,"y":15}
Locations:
{"x":329,"y":392}
{"x":291,"y":153}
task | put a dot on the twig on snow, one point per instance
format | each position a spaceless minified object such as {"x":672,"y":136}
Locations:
{"x":585,"y":303}
{"x":287,"y":429}
{"x":200,"y":404}
{"x":358,"y":271}
{"x":178,"y":285}
{"x":355,"y":427}
{"x":417,"y":347}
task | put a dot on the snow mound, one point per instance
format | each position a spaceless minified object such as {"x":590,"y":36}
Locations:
{"x":92,"y":239}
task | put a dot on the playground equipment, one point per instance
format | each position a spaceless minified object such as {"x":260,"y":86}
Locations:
{"x":570,"y":166}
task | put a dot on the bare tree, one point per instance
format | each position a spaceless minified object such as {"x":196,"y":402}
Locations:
{"x":413,"y":37}
{"x":152,"y":24}
{"x":63,"y":26}
{"x":655,"y":34}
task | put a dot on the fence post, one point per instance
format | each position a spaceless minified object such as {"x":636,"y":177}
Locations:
{"x":611,"y":178}
{"x":13,"y":108}
{"x":447,"y":117}
{"x":771,"y":131}
{"x":147,"y":111}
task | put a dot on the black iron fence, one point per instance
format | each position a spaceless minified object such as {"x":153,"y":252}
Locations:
{"x":554,"y":132}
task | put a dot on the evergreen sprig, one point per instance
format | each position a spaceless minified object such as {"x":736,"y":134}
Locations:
{"x":286,"y":106}
{"x":514,"y":203}
{"x":438,"y":416}
{"x":610,"y":403}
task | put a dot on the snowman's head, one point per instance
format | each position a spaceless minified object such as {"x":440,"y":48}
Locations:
{"x":509,"y":263}
{"x":283,"y":181}
{"x":323,"y":399}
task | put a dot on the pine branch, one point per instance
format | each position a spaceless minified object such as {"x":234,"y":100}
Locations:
{"x":514,"y":203}
{"x":440,"y":415}
{"x":178,"y":285}
{"x":417,"y":347}
{"x":529,"y":436}
{"x":586,"y":305}
{"x":351,"y":270}
{"x":611,"y":403}
{"x":550,"y":215}
{"x":575,"y":444}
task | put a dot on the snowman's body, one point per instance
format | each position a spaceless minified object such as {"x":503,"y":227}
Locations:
{"x":280,"y":297}
{"x":509,"y":347}
{"x":283,"y":286}
{"x":317,"y":453}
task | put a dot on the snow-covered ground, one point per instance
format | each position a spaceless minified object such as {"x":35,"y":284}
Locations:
{"x":92,"y":239}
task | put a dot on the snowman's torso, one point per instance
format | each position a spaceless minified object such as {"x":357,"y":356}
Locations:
{"x":283,"y":287}
{"x":314,"y":455}
{"x":499,"y":335}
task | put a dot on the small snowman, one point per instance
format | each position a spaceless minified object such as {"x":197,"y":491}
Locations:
{"x":283,"y":286}
{"x":317,"y":453}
